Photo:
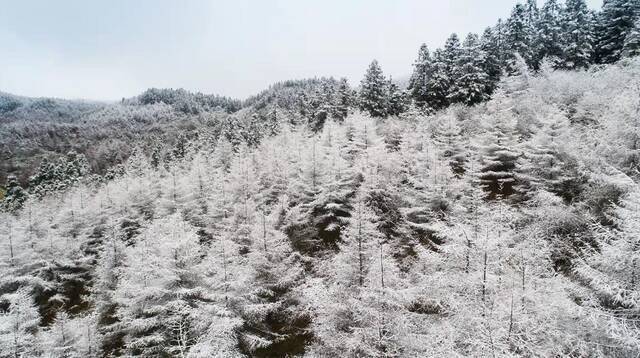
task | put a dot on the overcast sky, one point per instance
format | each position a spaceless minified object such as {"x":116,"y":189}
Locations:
{"x":111,"y":49}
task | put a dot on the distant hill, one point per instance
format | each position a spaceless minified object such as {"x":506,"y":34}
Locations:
{"x":32,"y":129}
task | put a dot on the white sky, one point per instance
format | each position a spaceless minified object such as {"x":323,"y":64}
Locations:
{"x":109,"y":49}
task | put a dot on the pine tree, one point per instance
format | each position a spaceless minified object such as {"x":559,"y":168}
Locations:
{"x":532,"y":20}
{"x":373,"y":91}
{"x":631,"y":46}
{"x":518,"y":37}
{"x":396,"y":99}
{"x":542,"y":166}
{"x":549,"y":32}
{"x":273,"y":319}
{"x":470,"y":78}
{"x":492,"y":66}
{"x":156,"y":154}
{"x":616,"y":21}
{"x":59,"y":175}
{"x":137,"y":164}
{"x":60,"y":337}
{"x":357,"y":246}
{"x":343,"y":100}
{"x":161,"y":288}
{"x":613,"y":272}
{"x":577,"y":36}
{"x":313,"y":223}
{"x":499,"y":160}
{"x":501,"y":34}
{"x":323,"y":105}
{"x":15,"y":195}
{"x":452,"y":144}
{"x":359,"y":293}
{"x":451,"y":53}
{"x":439,"y":83}
{"x":107,"y":276}
{"x":420,"y":77}
{"x":18,"y":325}
{"x":356,"y":140}
{"x":445,"y":65}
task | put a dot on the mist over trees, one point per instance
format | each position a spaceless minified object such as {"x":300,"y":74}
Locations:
{"x":490,"y":208}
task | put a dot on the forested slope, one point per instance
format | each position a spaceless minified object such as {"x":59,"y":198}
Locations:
{"x":37,"y":130}
{"x":502,"y":229}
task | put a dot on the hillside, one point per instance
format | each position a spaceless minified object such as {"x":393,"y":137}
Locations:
{"x":33,"y":130}
{"x":506,"y":228}
{"x":487,"y":205}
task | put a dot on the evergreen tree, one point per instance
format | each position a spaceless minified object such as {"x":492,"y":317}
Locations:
{"x":531,"y":14}
{"x":549,"y":32}
{"x":631,"y":46}
{"x":15,"y":195}
{"x":518,"y":37}
{"x":451,"y":54}
{"x":492,"y":66}
{"x":270,"y":306}
{"x":501,"y":42}
{"x":358,"y":245}
{"x":439,"y":83}
{"x":160,"y":290}
{"x":452,"y":144}
{"x":342,"y":100}
{"x":532,"y":19}
{"x":323,"y":105}
{"x":577,"y":35}
{"x":156,"y":154}
{"x":313,"y":223}
{"x":471,"y":80}
{"x":360,"y":292}
{"x":442,"y":81}
{"x":107,"y":275}
{"x":396,"y":99}
{"x":543,"y":165}
{"x":18,"y":324}
{"x":499,"y":160}
{"x":373,"y":91}
{"x":420,"y":77}
{"x":613,"y":270}
{"x":60,"y":337}
{"x":60,"y":174}
{"x":616,"y":21}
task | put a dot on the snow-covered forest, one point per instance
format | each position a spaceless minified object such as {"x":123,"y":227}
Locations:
{"x":490,"y":208}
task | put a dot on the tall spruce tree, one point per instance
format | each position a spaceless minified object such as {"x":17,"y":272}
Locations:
{"x":451,"y":59}
{"x":501,"y":41}
{"x":518,"y":37}
{"x":342,"y":100}
{"x":542,"y":164}
{"x":420,"y":77}
{"x":490,"y":45}
{"x":471,"y":80}
{"x":373,"y":91}
{"x":18,"y":323}
{"x":451,"y":52}
{"x":396,"y":99}
{"x":616,"y":22}
{"x":577,"y":35}
{"x":549,"y":32}
{"x":439,"y":83}
{"x":532,"y":19}
{"x":499,"y":159}
{"x":15,"y":195}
